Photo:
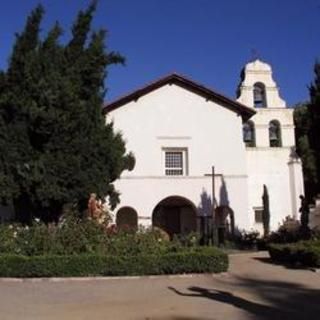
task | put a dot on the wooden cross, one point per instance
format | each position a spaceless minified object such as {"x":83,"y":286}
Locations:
{"x":213,"y":191}
{"x":255,"y":54}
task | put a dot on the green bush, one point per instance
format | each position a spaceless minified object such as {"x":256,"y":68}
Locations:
{"x":247,"y":239}
{"x":76,"y":236}
{"x":198,"y":260}
{"x":71,"y":236}
{"x":305,"y":253}
{"x":76,"y":247}
{"x":243,"y":240}
{"x":290,"y":231}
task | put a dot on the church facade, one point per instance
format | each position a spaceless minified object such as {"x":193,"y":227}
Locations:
{"x":200,"y":155}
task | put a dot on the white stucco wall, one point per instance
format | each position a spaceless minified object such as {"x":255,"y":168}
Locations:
{"x":172,"y":116}
{"x":175,"y":117}
{"x":143,"y":194}
{"x":271,"y":166}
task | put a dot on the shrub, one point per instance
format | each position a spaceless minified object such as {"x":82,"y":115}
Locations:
{"x":246,"y":239}
{"x":144,"y":241}
{"x":191,"y":239}
{"x":305,"y":253}
{"x":197,"y":260}
{"x":7,"y":239}
{"x":76,"y":247}
{"x":315,"y":234}
{"x":76,"y":236}
{"x":70,"y":236}
{"x":288,"y":232}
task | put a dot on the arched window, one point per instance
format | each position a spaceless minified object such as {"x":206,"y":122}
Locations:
{"x":275,"y":133}
{"x":249,"y":134}
{"x":259,"y":95}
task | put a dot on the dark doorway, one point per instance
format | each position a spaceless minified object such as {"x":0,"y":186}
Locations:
{"x":175,"y":215}
{"x":224,"y":221}
{"x":127,"y":219}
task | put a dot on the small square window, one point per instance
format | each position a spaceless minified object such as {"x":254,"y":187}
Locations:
{"x":258,"y":215}
{"x":175,"y":162}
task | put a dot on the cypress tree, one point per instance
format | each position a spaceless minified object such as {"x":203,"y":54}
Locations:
{"x":266,"y":211}
{"x":62,"y":149}
{"x":314,"y":111}
{"x":302,"y":121}
{"x":15,"y":101}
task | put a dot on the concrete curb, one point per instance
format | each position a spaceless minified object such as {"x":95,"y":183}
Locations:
{"x":248,"y":253}
{"x":99,"y":278}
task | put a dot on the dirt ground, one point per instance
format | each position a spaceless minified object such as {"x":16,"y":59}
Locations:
{"x":253,"y":288}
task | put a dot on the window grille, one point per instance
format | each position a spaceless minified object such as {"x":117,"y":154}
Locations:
{"x":175,"y":162}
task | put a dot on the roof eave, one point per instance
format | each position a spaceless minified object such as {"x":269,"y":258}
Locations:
{"x":209,"y":94}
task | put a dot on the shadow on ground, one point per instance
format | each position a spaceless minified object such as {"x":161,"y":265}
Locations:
{"x":282,"y":300}
{"x":268,"y":260}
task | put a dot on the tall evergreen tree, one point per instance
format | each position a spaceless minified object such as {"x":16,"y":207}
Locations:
{"x":59,"y":148}
{"x":266,"y":211}
{"x":314,"y":111}
{"x":302,"y":121}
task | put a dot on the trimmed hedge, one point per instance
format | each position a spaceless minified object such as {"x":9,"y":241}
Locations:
{"x":205,"y":259}
{"x":305,"y":253}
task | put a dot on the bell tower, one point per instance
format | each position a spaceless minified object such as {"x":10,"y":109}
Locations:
{"x":270,"y":145}
{"x":272,"y":125}
{"x":257,"y":88}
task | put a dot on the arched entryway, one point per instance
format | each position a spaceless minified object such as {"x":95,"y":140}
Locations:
{"x":127,"y":219}
{"x":175,"y":215}
{"x":224,"y":222}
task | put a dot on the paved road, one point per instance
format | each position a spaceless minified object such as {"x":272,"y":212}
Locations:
{"x":253,"y":289}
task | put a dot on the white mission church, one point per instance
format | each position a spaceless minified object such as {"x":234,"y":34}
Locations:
{"x":179,"y":129}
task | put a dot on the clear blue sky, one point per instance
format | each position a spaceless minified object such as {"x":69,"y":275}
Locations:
{"x":207,"y":40}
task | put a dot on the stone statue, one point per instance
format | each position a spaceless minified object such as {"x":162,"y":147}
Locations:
{"x":304,"y":210}
{"x":95,"y":209}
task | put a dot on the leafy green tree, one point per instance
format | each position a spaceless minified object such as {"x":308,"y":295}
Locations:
{"x":302,"y":120}
{"x":58,"y":147}
{"x":314,"y":111}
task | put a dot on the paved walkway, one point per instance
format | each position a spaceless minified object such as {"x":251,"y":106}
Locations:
{"x":253,"y":289}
